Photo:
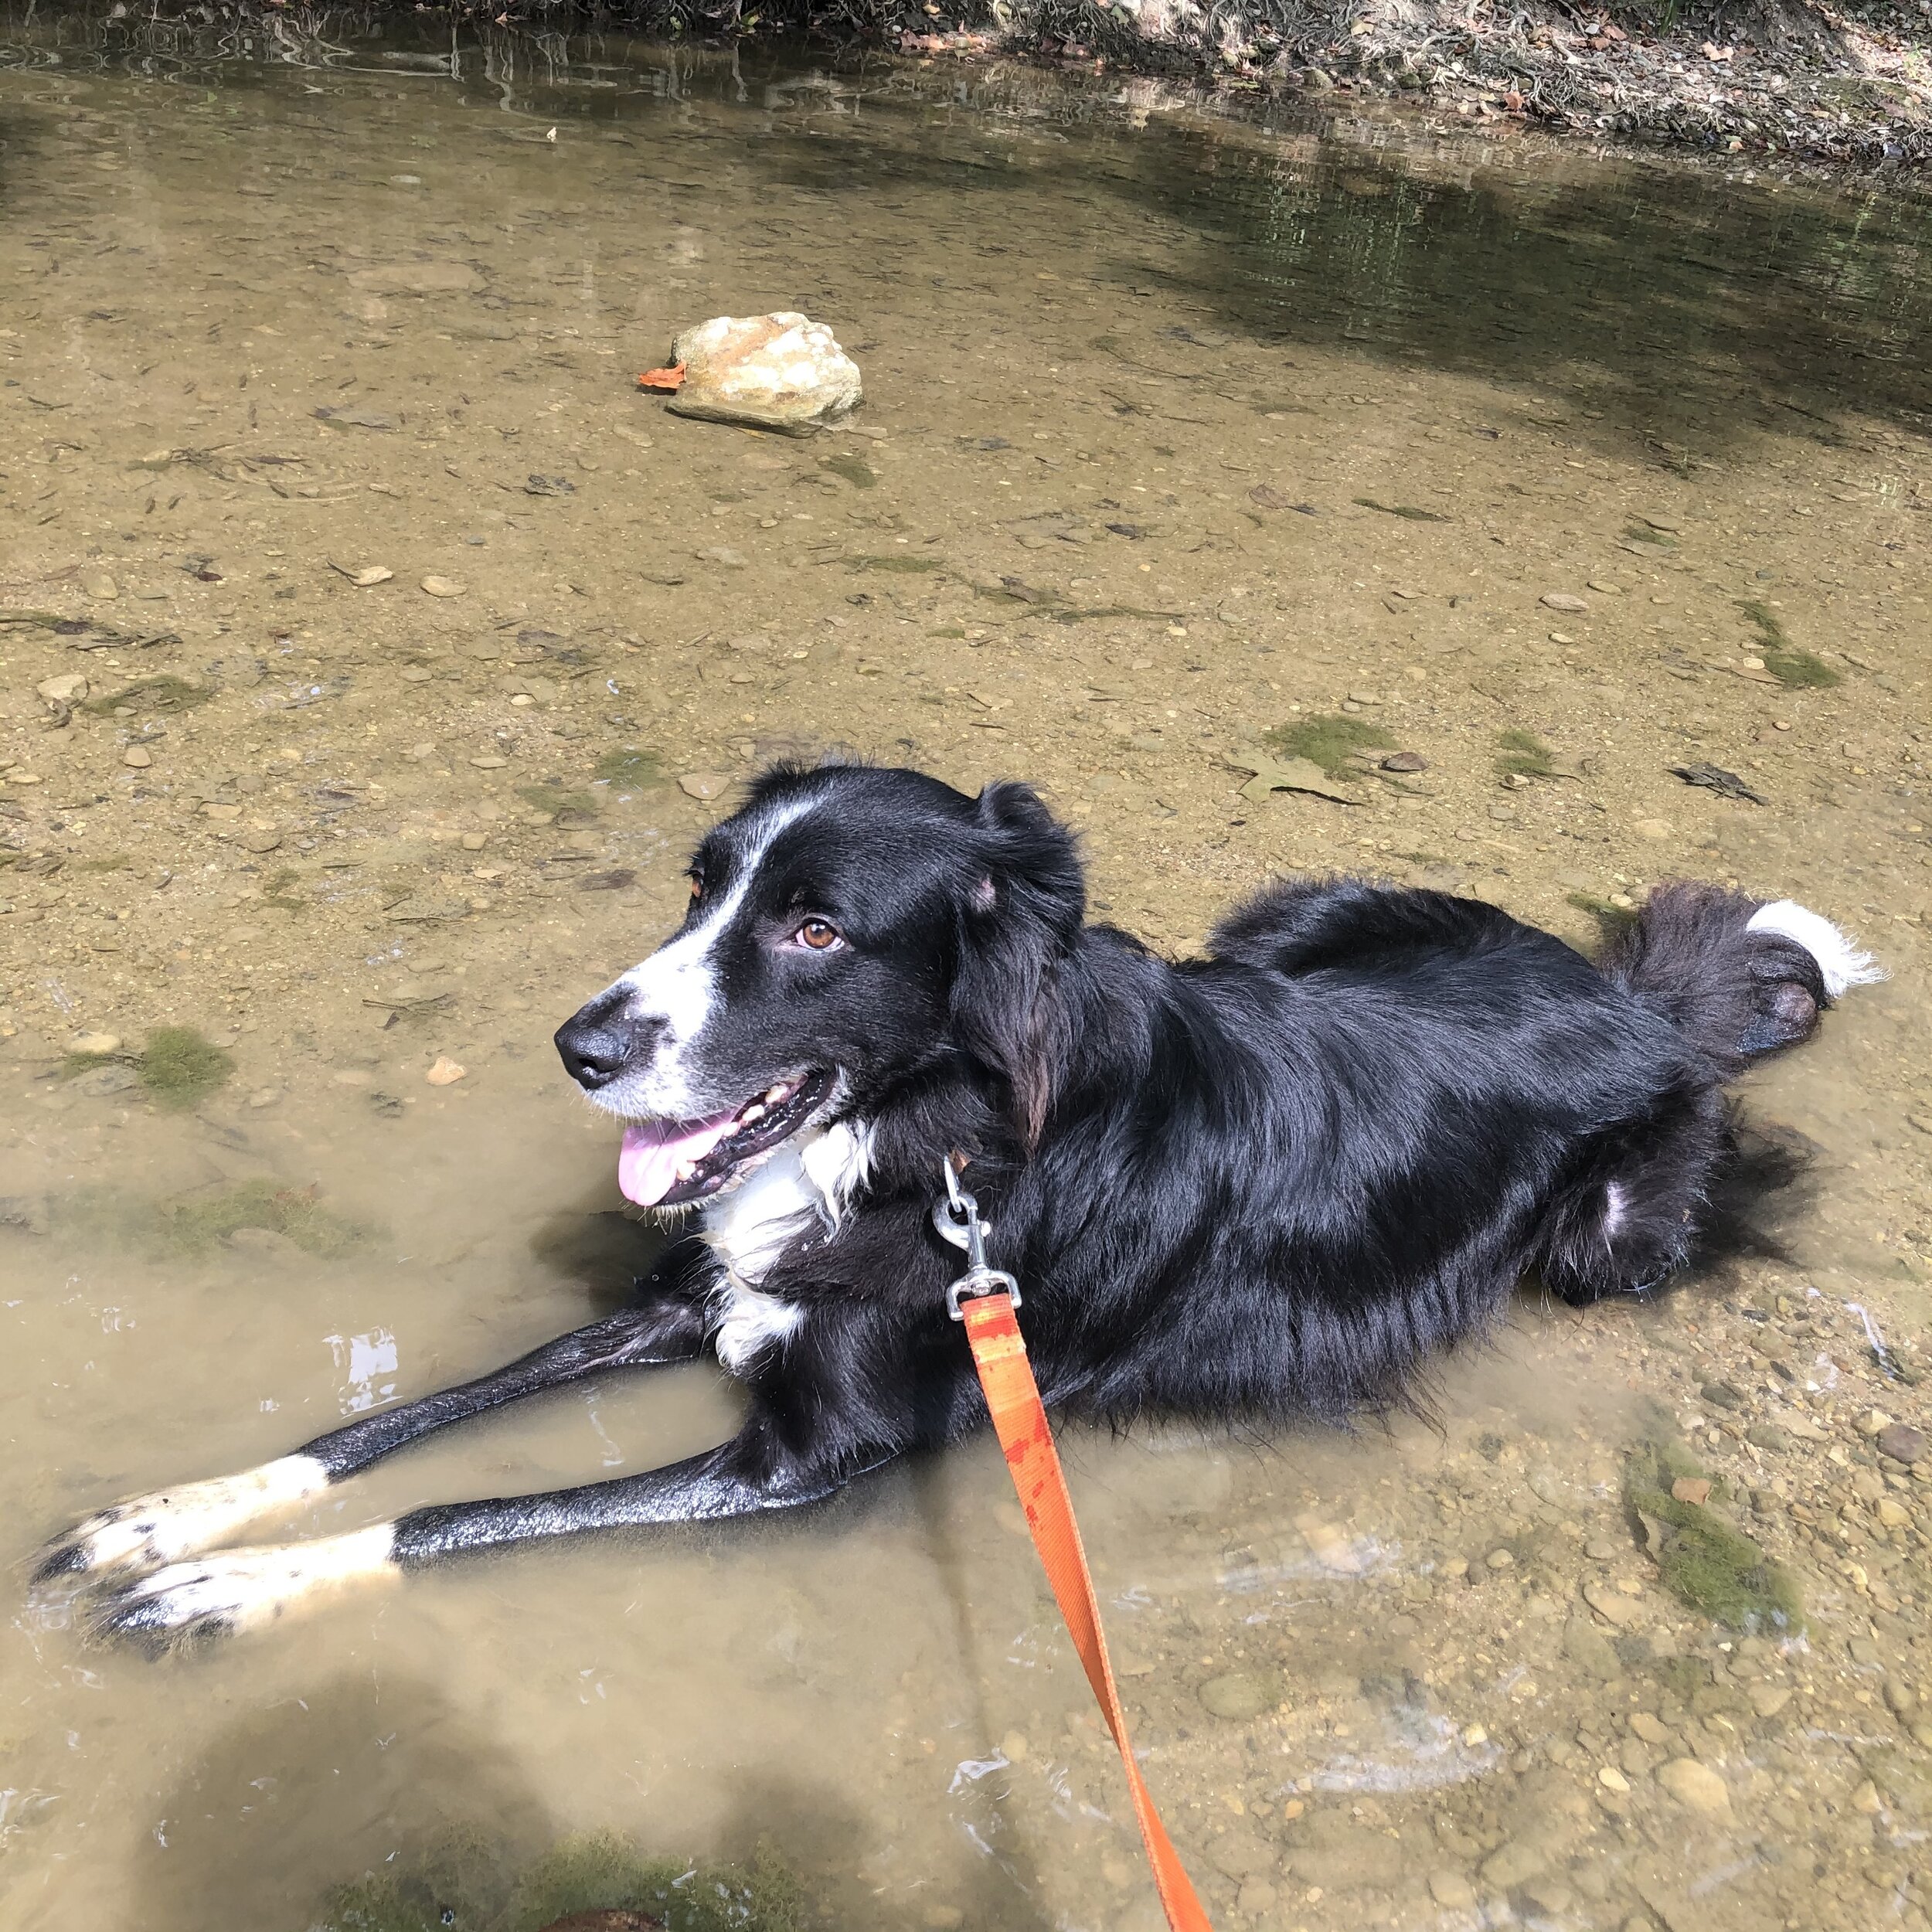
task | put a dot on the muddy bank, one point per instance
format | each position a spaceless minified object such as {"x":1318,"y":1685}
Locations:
{"x":1851,"y":88}
{"x":1789,"y":81}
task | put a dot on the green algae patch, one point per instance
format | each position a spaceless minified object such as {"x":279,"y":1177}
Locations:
{"x":464,"y":1889}
{"x":554,"y":798}
{"x":855,"y":469}
{"x":73,"y":1063}
{"x":279,"y":891}
{"x":605,"y":1871}
{"x":165,"y":692}
{"x":1612,"y":921}
{"x":1328,"y":739}
{"x":1014,"y":590}
{"x":630,"y":765}
{"x":1408,"y":512}
{"x":1521,"y":754}
{"x":896,"y":565}
{"x":459,"y":1884}
{"x":1790,"y":664}
{"x":198,"y":1222}
{"x":179,"y":1067}
{"x":1705,"y":1560}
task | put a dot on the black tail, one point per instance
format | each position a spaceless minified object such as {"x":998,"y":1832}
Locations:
{"x":1738,"y":990}
{"x":1739,"y":979}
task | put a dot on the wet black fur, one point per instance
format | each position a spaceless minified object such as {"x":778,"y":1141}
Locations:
{"x":1272,"y":1180}
{"x":1262,"y":1185}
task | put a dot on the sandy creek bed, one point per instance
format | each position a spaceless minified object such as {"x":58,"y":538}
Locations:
{"x":1178,"y":434}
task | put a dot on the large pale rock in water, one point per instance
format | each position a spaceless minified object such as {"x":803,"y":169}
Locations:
{"x":782,"y":372}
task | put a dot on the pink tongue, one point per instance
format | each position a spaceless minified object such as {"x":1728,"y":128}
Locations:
{"x":653,"y":1152}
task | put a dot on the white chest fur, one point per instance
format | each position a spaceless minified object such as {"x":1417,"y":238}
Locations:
{"x":801,"y":1192}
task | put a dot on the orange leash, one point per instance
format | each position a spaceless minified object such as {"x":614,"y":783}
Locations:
{"x":1019,"y":1420}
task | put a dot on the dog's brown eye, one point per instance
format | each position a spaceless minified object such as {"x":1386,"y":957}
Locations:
{"x":697,"y":886}
{"x":816,"y":934}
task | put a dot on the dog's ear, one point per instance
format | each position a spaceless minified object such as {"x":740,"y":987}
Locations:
{"x":1021,"y":913}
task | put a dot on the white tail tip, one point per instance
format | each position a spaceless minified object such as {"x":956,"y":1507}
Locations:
{"x":1839,"y":959}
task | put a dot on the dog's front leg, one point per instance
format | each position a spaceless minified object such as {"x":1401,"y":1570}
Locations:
{"x":145,"y":1533}
{"x":242,"y":1590}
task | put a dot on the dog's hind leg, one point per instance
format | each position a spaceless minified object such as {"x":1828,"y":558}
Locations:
{"x":147,"y":1532}
{"x":241,"y":1590}
{"x":1631,"y":1220}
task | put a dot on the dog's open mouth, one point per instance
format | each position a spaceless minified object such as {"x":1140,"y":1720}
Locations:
{"x":667,"y":1163}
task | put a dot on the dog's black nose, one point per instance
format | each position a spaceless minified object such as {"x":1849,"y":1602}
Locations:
{"x":594,"y":1051}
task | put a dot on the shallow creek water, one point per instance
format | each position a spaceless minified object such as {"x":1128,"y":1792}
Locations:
{"x":1181,"y":430}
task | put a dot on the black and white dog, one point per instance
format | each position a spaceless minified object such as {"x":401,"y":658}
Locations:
{"x":1261,"y":1185}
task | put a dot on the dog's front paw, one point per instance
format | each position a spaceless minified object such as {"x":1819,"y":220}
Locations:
{"x":145,"y":1533}
{"x":176,"y":1608}
{"x":121,"y":1537}
{"x":237,"y":1590}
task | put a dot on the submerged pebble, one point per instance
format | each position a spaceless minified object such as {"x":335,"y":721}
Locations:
{"x":104,"y":1082}
{"x":1696,"y":1787}
{"x":1236,"y":1695}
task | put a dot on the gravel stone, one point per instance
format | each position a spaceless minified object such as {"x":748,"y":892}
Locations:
{"x":1236,"y":1695}
{"x":1696,"y":1787}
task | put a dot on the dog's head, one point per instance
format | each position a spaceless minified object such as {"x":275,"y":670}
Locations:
{"x":848,"y":926}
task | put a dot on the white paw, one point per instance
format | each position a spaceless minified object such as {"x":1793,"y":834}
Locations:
{"x":239,"y":1589}
{"x":147,"y":1532}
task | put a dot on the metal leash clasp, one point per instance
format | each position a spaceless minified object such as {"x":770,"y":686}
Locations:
{"x":956,"y":1215}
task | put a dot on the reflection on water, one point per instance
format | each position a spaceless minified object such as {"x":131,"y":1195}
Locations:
{"x":1182,"y":430}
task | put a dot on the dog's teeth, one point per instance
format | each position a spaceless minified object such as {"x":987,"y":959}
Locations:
{"x":774,"y":1095}
{"x":753,"y":1112}
{"x":686,"y":1169}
